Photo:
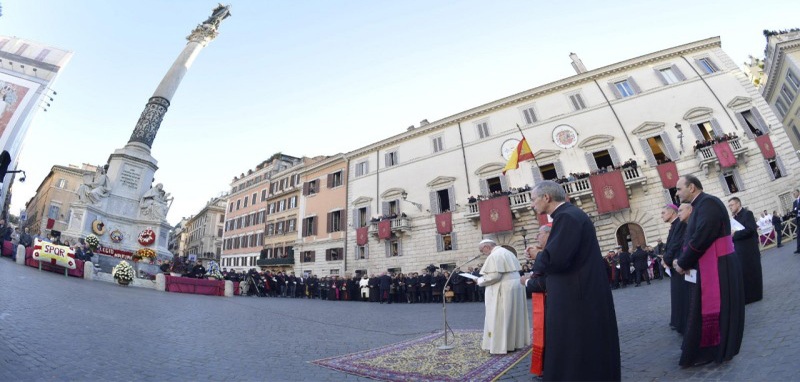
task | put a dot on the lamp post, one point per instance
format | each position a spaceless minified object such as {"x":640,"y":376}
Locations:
{"x":404,"y":195}
{"x":524,"y":233}
{"x":680,"y":135}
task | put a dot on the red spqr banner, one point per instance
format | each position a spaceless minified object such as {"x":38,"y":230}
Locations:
{"x":385,"y":229}
{"x":609,"y":192}
{"x":724,"y":154}
{"x":495,"y":215}
{"x":765,"y":144}
{"x":669,"y":174}
{"x":444,"y":223}
{"x":361,"y":236}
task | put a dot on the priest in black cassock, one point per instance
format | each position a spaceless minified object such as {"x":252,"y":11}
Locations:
{"x":678,"y":288}
{"x":715,"y":320}
{"x":745,"y":241}
{"x":581,"y":337}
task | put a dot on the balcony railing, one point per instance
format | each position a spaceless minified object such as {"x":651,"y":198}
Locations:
{"x":518,"y":201}
{"x":633,"y":176}
{"x":398,"y":224}
{"x":577,"y":188}
{"x":281,"y":261}
{"x":706,"y":155}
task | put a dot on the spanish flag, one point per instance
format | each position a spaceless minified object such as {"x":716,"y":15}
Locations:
{"x":522,"y":153}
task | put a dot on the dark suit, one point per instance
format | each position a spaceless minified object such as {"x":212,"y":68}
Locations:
{"x":796,"y":210}
{"x":776,"y":223}
{"x":639,"y":258}
{"x":385,"y":283}
{"x":678,"y":288}
{"x":746,"y":243}
{"x":580,"y":321}
{"x":538,"y":281}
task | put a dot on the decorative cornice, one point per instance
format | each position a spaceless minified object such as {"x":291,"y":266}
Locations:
{"x":546,"y":155}
{"x":362,"y":200}
{"x":596,"y":140}
{"x":528,"y":95}
{"x":392,"y":193}
{"x":648,"y":128}
{"x":490,"y":168}
{"x":441,"y":181}
{"x":740,"y":102}
{"x":779,"y":53}
{"x":697,"y":113}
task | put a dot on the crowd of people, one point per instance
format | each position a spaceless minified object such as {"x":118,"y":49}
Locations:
{"x":699,"y":144}
{"x":495,"y":194}
{"x":644,"y":264}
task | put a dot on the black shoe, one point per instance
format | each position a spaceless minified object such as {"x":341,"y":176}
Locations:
{"x":797,"y":252}
{"x":779,"y":246}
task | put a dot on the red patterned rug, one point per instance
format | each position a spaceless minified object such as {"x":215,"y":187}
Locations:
{"x":421,"y":360}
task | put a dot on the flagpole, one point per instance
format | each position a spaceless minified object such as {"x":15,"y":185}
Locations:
{"x":523,"y":137}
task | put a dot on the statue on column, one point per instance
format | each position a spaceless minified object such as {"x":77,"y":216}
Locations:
{"x":221,"y":12}
{"x":154,"y":202}
{"x":93,"y":192}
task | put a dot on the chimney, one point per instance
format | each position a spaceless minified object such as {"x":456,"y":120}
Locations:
{"x":577,"y":64}
{"x":423,"y":122}
{"x":410,"y":128}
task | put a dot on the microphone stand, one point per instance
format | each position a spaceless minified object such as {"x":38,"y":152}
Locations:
{"x":446,"y":346}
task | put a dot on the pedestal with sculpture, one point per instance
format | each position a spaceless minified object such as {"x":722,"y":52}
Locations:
{"x":120,"y":203}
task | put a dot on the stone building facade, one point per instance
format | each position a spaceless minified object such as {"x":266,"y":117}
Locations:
{"x":48,"y":209}
{"x":782,"y":69}
{"x":205,"y":229}
{"x":651,"y":109}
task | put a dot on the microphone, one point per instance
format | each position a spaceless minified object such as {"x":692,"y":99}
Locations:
{"x":447,"y":346}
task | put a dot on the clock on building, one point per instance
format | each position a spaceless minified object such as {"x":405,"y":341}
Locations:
{"x":565,"y":136}
{"x":508,"y":147}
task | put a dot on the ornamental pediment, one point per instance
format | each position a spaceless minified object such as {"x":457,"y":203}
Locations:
{"x":698,"y":113}
{"x":392,"y":193}
{"x":361,"y":201}
{"x":595,"y":141}
{"x":546,"y":155}
{"x":490,"y":169}
{"x":649,"y":128}
{"x":441,"y":181}
{"x":740,"y":102}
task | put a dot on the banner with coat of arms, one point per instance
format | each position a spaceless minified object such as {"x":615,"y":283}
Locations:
{"x":385,"y":229}
{"x":724,"y":154}
{"x":765,"y":144}
{"x":361,"y":236}
{"x":669,"y":174}
{"x":495,"y":215}
{"x":444,"y":223}
{"x":609,"y":192}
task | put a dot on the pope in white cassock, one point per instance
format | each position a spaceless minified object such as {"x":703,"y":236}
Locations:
{"x":506,"y":326}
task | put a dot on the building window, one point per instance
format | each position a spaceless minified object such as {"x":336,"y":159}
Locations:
{"x":307,"y":257}
{"x":792,"y":80}
{"x":311,"y":188}
{"x":335,"y":179}
{"x":230,"y":207}
{"x":781,"y":107}
{"x":281,"y":205}
{"x":603,"y":159}
{"x":309,"y":226}
{"x":279,"y":228}
{"x":391,"y":158}
{"x":751,"y":122}
{"x":335,"y":221}
{"x":668,"y":75}
{"x":363,"y":217}
{"x":61,"y":183}
{"x":658,"y":149}
{"x":255,"y":195}
{"x":446,"y":242}
{"x":483,"y":129}
{"x":238,"y":204}
{"x":334,"y":272}
{"x":333,"y":254}
{"x":443,"y":197}
{"x":293,"y":202}
{"x":577,"y":102}
{"x":246,"y":199}
{"x":437,"y":144}
{"x":291,"y":226}
{"x":270,"y":229}
{"x":731,"y":181}
{"x":362,"y":252}
{"x":529,"y":115}
{"x":624,"y":88}
{"x":52,"y":213}
{"x":775,"y":168}
{"x":787,"y":95}
{"x":264,"y":195}
{"x":707,"y":65}
{"x":392,"y":248}
{"x":362,"y":168}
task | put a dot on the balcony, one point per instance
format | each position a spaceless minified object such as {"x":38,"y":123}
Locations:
{"x":577,"y":188}
{"x":518,"y":202}
{"x":281,"y":261}
{"x":399,"y":226}
{"x":707,"y":157}
{"x":634,"y":176}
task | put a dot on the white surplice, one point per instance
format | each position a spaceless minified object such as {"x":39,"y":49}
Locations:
{"x":507,"y":324}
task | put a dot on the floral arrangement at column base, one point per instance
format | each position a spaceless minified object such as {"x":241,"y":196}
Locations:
{"x":123,"y":273}
{"x":92,"y":241}
{"x":146,"y":255}
{"x":213,"y":271}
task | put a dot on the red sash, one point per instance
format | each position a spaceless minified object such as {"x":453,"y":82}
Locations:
{"x":537,"y":354}
{"x":710,"y":294}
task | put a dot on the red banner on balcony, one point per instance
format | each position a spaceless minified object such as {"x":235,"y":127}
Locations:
{"x":385,"y":229}
{"x":495,"y":215}
{"x":765,"y":144}
{"x":361,"y":236}
{"x":609,"y":192}
{"x":669,"y":174}
{"x":444,"y":223}
{"x":50,"y":223}
{"x":724,"y":154}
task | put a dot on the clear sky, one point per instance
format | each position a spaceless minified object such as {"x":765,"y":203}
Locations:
{"x":323,"y":77}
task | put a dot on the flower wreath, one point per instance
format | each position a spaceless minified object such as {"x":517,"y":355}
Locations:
{"x":147,"y":237}
{"x":92,"y":241}
{"x":98,"y":227}
{"x":116,"y":236}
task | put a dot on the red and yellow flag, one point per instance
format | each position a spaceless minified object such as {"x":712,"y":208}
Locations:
{"x":522,"y":153}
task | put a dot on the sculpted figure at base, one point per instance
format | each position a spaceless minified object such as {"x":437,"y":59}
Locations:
{"x":92,"y":193}
{"x":154,"y":202}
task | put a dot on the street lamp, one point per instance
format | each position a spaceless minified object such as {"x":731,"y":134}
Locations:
{"x":404,"y":195}
{"x":524,"y":233}
{"x":680,"y":135}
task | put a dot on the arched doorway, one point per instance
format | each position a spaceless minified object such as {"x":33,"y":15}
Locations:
{"x":629,"y":236}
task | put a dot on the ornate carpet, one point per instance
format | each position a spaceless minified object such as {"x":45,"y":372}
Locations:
{"x":421,"y":360}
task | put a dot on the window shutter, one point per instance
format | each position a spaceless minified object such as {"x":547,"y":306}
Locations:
{"x":744,"y":125}
{"x":484,"y":186}
{"x":648,"y":152}
{"x":453,"y":240}
{"x":678,"y":73}
{"x":503,"y":183}
{"x":614,"y":90}
{"x":388,"y":248}
{"x":780,"y":166}
{"x":671,"y":152}
{"x":634,"y":86}
{"x":356,"y":221}
{"x":612,"y":152}
{"x":386,"y":159}
{"x":660,"y":76}
{"x":305,"y":188}
{"x":696,"y":131}
{"x":537,"y":174}
{"x":723,"y":183}
{"x":305,"y":227}
{"x":760,"y":120}
{"x":366,"y":251}
{"x":330,"y":181}
{"x":451,"y":196}
{"x":439,"y":243}
{"x":328,"y":254}
{"x":738,"y":178}
{"x":559,"y":168}
{"x":716,"y":127}
{"x":770,"y":174}
{"x":342,"y":219}
{"x":590,"y":161}
{"x":314,"y":222}
{"x":329,"y":222}
{"x":667,"y":196}
{"x":399,"y":248}
{"x":384,"y":208}
{"x":434,"y":199}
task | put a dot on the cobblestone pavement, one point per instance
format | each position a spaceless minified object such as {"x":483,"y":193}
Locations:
{"x":57,"y":328}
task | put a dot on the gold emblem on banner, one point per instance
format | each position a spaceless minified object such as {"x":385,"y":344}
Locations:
{"x":608,"y":192}
{"x":669,"y":175}
{"x":494,"y":215}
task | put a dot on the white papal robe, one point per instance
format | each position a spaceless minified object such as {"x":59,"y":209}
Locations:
{"x":507,"y":324}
